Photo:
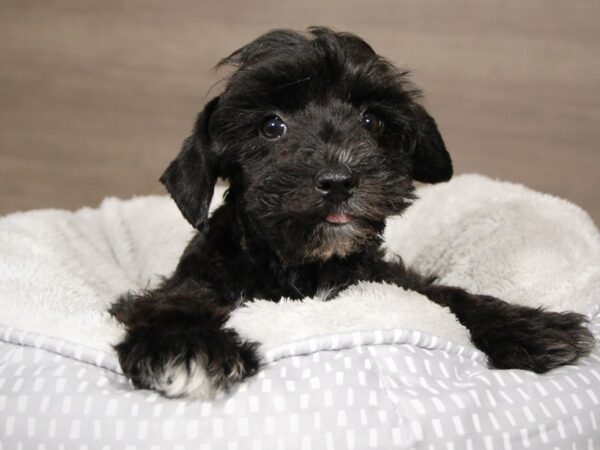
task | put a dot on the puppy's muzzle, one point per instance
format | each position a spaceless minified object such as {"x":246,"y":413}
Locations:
{"x":336,"y":184}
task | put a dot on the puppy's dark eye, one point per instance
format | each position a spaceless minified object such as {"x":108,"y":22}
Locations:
{"x":272,"y":127}
{"x":371,"y":123}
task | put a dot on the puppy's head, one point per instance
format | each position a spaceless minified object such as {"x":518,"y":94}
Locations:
{"x":320,"y":139}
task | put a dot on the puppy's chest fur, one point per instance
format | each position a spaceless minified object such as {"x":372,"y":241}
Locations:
{"x":241,"y":270}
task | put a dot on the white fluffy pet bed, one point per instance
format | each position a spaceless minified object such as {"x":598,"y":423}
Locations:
{"x":378,"y":366}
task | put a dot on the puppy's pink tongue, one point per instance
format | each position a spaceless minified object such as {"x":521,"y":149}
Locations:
{"x":338,"y":218}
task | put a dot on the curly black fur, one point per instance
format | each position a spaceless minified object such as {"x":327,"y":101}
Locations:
{"x":275,"y":237}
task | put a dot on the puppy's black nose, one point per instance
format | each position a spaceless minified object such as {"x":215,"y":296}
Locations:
{"x":336,"y":184}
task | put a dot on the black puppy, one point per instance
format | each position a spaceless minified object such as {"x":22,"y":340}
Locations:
{"x":320,"y":139}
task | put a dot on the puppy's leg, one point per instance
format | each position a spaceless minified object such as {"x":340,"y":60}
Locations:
{"x":512,"y":336}
{"x":177,"y":344}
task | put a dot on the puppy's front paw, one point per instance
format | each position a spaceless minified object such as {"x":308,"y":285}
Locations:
{"x":533,"y":339}
{"x":187,"y":364}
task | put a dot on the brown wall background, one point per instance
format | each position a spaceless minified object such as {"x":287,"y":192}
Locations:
{"x":96,"y":96}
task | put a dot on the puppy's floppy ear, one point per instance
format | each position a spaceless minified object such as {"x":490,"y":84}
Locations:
{"x":431,"y":161}
{"x":191,"y":177}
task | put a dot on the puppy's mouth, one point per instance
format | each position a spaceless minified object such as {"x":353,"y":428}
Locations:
{"x":338,"y":218}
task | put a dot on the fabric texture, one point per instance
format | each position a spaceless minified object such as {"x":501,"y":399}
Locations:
{"x":372,"y":389}
{"x":378,"y":366}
